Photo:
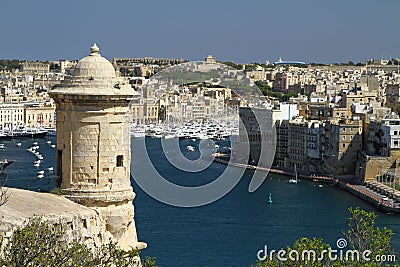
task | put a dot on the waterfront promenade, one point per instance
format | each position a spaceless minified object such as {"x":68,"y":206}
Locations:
{"x":383,"y":197}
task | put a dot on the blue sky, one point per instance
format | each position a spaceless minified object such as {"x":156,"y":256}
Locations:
{"x":240,"y":31}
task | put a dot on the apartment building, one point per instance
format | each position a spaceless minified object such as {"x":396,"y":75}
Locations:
{"x":342,"y":140}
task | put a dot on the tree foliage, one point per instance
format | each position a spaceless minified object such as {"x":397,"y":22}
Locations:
{"x":233,"y":65}
{"x":267,"y":91}
{"x":362,"y":235}
{"x":9,"y":64}
{"x":42,"y":244}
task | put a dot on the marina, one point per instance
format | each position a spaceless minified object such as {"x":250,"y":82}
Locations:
{"x":195,"y":130}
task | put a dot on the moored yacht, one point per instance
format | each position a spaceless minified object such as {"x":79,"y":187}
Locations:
{"x":27,"y":133}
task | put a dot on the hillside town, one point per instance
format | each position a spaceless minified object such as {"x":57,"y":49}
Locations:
{"x":338,"y":119}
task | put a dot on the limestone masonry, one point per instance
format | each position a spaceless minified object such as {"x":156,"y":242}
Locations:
{"x":93,"y":159}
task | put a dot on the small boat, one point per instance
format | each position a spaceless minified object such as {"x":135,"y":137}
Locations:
{"x":5,"y":163}
{"x":190,"y":148}
{"x":53,"y":146}
{"x":41,"y":172}
{"x":35,"y":143}
{"x":50,"y":169}
{"x":294,"y":181}
{"x":48,"y":142}
{"x":36,"y":164}
{"x":2,"y":146}
{"x":37,"y":161}
{"x":270,"y":198}
{"x":169,"y":136}
{"x":320,"y":185}
{"x":51,"y":131}
{"x":18,"y":144}
{"x":40,"y":176}
{"x":40,"y":157}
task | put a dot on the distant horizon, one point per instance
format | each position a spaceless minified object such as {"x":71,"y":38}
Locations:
{"x":218,"y":60}
{"x":242,"y":32}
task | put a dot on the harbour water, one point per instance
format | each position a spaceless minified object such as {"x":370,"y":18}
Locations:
{"x":228,"y":232}
{"x":22,"y":173}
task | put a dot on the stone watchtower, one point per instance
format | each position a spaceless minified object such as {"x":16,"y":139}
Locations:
{"x":93,"y":145}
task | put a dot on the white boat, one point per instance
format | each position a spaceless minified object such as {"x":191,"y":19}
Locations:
{"x":294,"y":181}
{"x":157,"y":134}
{"x":38,"y":161}
{"x":51,"y":131}
{"x":138,"y":132}
{"x":35,"y":143}
{"x":169,"y":136}
{"x":190,"y":148}
{"x":40,"y":176}
{"x":53,"y":146}
{"x":18,"y":144}
{"x":50,"y":169}
{"x":36,"y":164}
{"x":41,"y":172}
{"x":48,"y":142}
{"x":40,"y":157}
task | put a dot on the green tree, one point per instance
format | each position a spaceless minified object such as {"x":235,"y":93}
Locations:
{"x":41,"y":244}
{"x":362,"y":235}
{"x":9,"y":64}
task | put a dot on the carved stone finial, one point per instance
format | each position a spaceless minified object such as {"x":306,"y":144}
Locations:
{"x":94,"y":50}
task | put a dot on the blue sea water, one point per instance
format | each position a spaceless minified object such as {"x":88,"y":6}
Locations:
{"x":227,"y":232}
{"x":230,"y":231}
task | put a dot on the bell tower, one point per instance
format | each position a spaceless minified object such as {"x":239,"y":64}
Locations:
{"x":93,"y":145}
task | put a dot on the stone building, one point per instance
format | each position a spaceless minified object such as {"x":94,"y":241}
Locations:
{"x":30,"y":67}
{"x":392,"y":97}
{"x":93,"y":146}
{"x":39,"y":115}
{"x":210,"y":59}
{"x":298,"y":144}
{"x":257,"y":130}
{"x":11,"y":114}
{"x":341,"y":140}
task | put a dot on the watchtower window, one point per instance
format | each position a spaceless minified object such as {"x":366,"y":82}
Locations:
{"x":120,"y":160}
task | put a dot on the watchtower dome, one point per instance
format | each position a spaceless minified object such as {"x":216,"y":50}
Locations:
{"x":93,"y":144}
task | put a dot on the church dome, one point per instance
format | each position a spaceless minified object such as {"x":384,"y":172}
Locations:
{"x":94,"y":66}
